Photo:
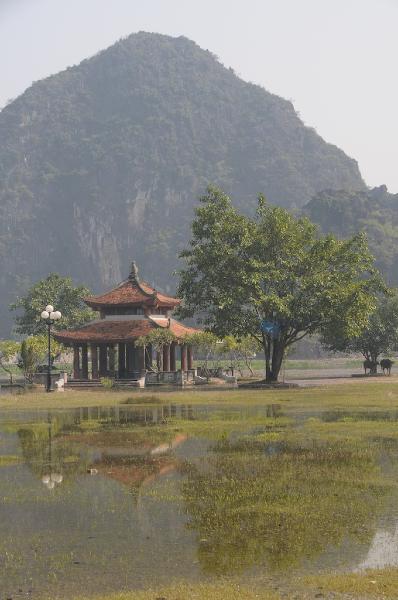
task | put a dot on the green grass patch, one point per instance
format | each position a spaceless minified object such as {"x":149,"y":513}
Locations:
{"x":9,"y":459}
{"x":144,"y":399}
{"x":373,"y":583}
{"x":186,"y":591}
{"x":380,"y":394}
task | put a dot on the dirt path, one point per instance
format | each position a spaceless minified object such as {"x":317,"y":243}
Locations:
{"x":321,"y":377}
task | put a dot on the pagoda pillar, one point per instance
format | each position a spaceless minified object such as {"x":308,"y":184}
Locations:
{"x":84,"y":361}
{"x":166,"y":357}
{"x":148,"y":357}
{"x":122,"y":360}
{"x":130,"y":366}
{"x":111,"y":354}
{"x":76,"y":362}
{"x":94,"y":361}
{"x":159,"y":360}
{"x":141,"y":359}
{"x":184,"y":361}
{"x":103,"y":360}
{"x":190,"y":358}
{"x":173,"y":361}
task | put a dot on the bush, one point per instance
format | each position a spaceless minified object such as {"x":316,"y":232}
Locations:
{"x":143,"y":400}
{"x":108,"y":383}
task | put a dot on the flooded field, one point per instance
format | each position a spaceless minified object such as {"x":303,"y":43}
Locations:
{"x":100,"y":500}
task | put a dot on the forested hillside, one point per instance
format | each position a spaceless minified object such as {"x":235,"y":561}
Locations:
{"x":104,"y":162}
{"x":374,"y":211}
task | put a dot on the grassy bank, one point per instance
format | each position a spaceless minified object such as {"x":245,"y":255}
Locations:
{"x":382,"y":393}
{"x":183,"y":591}
{"x":372,"y":583}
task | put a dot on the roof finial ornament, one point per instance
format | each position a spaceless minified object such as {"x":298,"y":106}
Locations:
{"x":134,"y":272}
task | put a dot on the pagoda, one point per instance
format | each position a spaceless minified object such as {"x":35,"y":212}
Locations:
{"x":105,"y":347}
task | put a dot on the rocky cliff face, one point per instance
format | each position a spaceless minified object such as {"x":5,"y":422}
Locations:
{"x":105,"y":161}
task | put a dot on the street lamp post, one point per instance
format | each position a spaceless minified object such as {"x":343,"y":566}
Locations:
{"x":49,"y":315}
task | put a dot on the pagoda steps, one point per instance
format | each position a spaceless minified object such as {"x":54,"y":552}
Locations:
{"x":126,"y":383}
{"x":83,"y":384}
{"x":89,"y":384}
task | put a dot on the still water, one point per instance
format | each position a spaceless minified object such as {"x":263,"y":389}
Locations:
{"x":106,"y":499}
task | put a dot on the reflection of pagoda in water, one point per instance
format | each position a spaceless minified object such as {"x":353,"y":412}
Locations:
{"x":138,"y":466}
{"x":126,"y":455}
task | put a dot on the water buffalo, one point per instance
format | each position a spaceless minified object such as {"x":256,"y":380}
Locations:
{"x":370,"y":365}
{"x":386,"y":365}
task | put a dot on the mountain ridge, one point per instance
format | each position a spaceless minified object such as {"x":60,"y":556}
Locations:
{"x":105,"y":160}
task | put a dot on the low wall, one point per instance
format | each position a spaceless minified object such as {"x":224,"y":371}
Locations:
{"x":170,"y":377}
{"x":41,"y":378}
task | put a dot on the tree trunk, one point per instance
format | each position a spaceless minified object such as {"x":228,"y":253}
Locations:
{"x":278,"y":352}
{"x":373,"y":358}
{"x":274,"y":351}
{"x":267,"y":354}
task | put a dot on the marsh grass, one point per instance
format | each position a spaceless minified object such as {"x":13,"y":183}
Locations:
{"x":278,"y":486}
{"x":9,"y":459}
{"x":278,"y":504}
{"x":186,"y":591}
{"x":144,"y":399}
{"x":372,"y":583}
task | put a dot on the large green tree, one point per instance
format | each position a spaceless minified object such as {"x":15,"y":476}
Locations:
{"x":34,"y":351}
{"x":62,"y":294}
{"x":8,"y":356}
{"x":380,"y":336}
{"x":242,"y":271}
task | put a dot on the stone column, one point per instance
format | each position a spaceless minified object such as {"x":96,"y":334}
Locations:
{"x":141,"y":359}
{"x":184,"y":361}
{"x":129,"y":358}
{"x":148,"y":357}
{"x":76,"y":362}
{"x":111,"y":354}
{"x":190,"y":358}
{"x":166,"y":357}
{"x":159,"y":360}
{"x":122,"y":360}
{"x":84,"y":361}
{"x":173,"y":362}
{"x":94,"y":361}
{"x":103,"y":360}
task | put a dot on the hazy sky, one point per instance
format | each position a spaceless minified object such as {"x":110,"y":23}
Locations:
{"x":336,"y":59}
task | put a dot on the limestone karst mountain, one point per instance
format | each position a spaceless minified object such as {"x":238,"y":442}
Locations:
{"x":105,"y":161}
{"x":374,"y":211}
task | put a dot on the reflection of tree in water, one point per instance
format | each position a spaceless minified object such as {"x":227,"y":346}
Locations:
{"x":261,"y":504}
{"x":49,"y":455}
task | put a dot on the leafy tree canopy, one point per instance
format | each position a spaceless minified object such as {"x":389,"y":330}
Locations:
{"x":33,"y":352}
{"x":241,"y":271}
{"x":9,"y":350}
{"x":62,"y":294}
{"x":157,"y":338}
{"x":380,"y":336}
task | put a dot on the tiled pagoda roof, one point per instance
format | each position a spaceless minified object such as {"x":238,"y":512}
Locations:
{"x":115,"y":331}
{"x":132,"y":292}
